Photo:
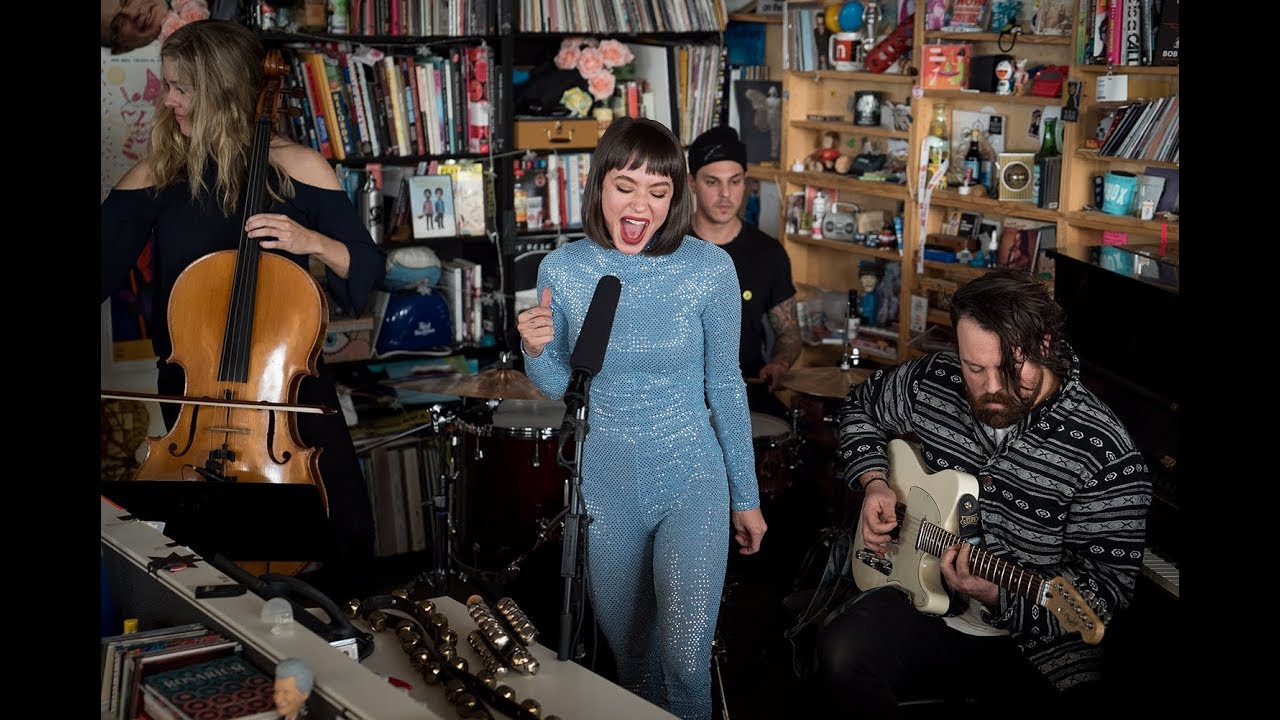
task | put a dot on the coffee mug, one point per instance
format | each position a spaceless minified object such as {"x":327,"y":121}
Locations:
{"x":1118,"y":192}
{"x":866,"y":108}
{"x":843,"y":48}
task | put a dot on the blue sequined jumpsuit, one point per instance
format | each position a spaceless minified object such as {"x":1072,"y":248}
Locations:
{"x":657,"y":481}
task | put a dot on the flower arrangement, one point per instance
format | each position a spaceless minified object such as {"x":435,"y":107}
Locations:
{"x":182,"y":12}
{"x":602,"y":63}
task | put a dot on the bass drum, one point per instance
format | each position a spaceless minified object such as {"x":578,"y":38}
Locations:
{"x":510,"y":481}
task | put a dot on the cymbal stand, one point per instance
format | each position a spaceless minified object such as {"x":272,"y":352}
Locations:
{"x":443,"y":504}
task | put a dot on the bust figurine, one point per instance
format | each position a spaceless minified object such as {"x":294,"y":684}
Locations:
{"x":292,"y":688}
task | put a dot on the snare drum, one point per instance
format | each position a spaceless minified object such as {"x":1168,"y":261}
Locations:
{"x":510,"y":479}
{"x":773,"y":441}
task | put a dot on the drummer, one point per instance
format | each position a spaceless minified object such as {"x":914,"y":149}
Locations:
{"x":718,"y":165}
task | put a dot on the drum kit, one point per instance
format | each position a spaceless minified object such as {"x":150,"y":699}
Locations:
{"x":500,"y":492}
{"x":779,"y":442}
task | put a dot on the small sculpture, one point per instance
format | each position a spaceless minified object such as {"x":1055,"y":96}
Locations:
{"x":867,"y":299}
{"x":292,"y":688}
{"x":1020,"y":77}
{"x":1004,"y":78}
{"x":824,"y":158}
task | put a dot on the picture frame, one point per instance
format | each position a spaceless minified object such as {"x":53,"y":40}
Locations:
{"x":1018,"y":248}
{"x":438,"y":191}
{"x":1052,"y":17}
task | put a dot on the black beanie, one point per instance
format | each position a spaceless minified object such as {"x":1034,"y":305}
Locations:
{"x":718,"y":143}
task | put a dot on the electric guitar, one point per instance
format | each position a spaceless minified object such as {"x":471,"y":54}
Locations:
{"x":932,"y":509}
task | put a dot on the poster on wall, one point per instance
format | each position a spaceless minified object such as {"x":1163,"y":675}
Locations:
{"x":132,"y":91}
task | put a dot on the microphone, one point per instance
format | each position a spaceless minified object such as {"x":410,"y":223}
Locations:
{"x":588,"y":354}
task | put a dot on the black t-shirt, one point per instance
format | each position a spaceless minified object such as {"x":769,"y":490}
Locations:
{"x":764,"y":276}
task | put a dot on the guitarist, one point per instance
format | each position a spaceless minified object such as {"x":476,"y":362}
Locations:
{"x":1062,"y":491}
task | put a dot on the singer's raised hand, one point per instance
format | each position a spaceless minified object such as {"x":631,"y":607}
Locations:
{"x":536,"y":326}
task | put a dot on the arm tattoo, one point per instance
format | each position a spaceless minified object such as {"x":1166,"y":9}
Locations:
{"x":786,"y":332}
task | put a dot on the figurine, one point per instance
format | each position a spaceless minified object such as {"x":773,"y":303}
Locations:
{"x":867,"y":299}
{"x":751,"y":215}
{"x":292,"y":688}
{"x":819,"y":211}
{"x":824,"y":158}
{"x":1020,"y":78}
{"x":1004,"y":77}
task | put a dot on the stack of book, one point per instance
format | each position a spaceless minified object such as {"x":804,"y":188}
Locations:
{"x":180,"y":673}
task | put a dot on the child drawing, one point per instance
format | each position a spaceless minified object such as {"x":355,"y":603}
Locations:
{"x":137,"y":113}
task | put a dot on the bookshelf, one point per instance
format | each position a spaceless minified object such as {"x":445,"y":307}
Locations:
{"x":833,"y":264}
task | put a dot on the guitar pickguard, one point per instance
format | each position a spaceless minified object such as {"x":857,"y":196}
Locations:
{"x":929,"y":497}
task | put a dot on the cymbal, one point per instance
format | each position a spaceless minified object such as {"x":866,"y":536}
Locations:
{"x":829,"y":382}
{"x":498,"y":384}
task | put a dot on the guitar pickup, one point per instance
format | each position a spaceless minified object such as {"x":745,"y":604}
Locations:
{"x":881,"y":565}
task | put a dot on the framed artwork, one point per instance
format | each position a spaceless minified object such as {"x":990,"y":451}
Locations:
{"x":431,"y":206}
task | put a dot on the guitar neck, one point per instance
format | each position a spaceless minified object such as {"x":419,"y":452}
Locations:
{"x":934,"y":540}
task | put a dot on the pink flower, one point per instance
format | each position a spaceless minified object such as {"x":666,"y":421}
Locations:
{"x":601,"y":85}
{"x":567,"y":58}
{"x":615,"y":53}
{"x":183,"y":12}
{"x":590,"y":63}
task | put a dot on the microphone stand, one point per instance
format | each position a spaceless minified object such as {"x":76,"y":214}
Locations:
{"x":573,"y":552}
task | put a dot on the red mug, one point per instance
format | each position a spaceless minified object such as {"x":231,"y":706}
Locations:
{"x":843,"y":48}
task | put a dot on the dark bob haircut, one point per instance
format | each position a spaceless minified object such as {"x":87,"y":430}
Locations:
{"x":631,"y":144}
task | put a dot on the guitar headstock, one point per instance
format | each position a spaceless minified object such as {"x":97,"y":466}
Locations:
{"x":1074,"y":612}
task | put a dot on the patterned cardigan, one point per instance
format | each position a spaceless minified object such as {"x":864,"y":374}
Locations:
{"x":1067,"y":493}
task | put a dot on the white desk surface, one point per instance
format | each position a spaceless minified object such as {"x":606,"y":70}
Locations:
{"x":566,"y":689}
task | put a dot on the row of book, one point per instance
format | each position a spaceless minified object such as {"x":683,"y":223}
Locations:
{"x":1128,"y":32}
{"x":1146,"y":130}
{"x":626,"y":16}
{"x":558,"y":183}
{"x":182,"y":672}
{"x":395,"y":478}
{"x":420,"y":17}
{"x":366,"y":103}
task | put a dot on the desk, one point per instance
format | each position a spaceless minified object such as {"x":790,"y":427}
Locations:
{"x":344,"y":688}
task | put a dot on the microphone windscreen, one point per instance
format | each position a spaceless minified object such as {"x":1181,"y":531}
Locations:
{"x":588,"y":353}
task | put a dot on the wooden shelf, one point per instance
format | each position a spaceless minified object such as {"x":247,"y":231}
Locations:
{"x":1007,"y":208}
{"x":845,"y":246}
{"x":961,"y":269}
{"x":817,"y":75}
{"x":1128,"y":69}
{"x":992,"y":98}
{"x":991,"y":37}
{"x":758,"y":171}
{"x":1121,"y":223}
{"x":842,"y":182}
{"x":1093,"y":156}
{"x":939,"y":317}
{"x":756,"y":18}
{"x":844,"y":127}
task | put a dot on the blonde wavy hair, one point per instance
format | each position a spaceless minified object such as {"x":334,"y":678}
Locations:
{"x":223,"y":64}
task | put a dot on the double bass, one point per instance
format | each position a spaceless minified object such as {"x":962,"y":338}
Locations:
{"x":247,"y":327}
